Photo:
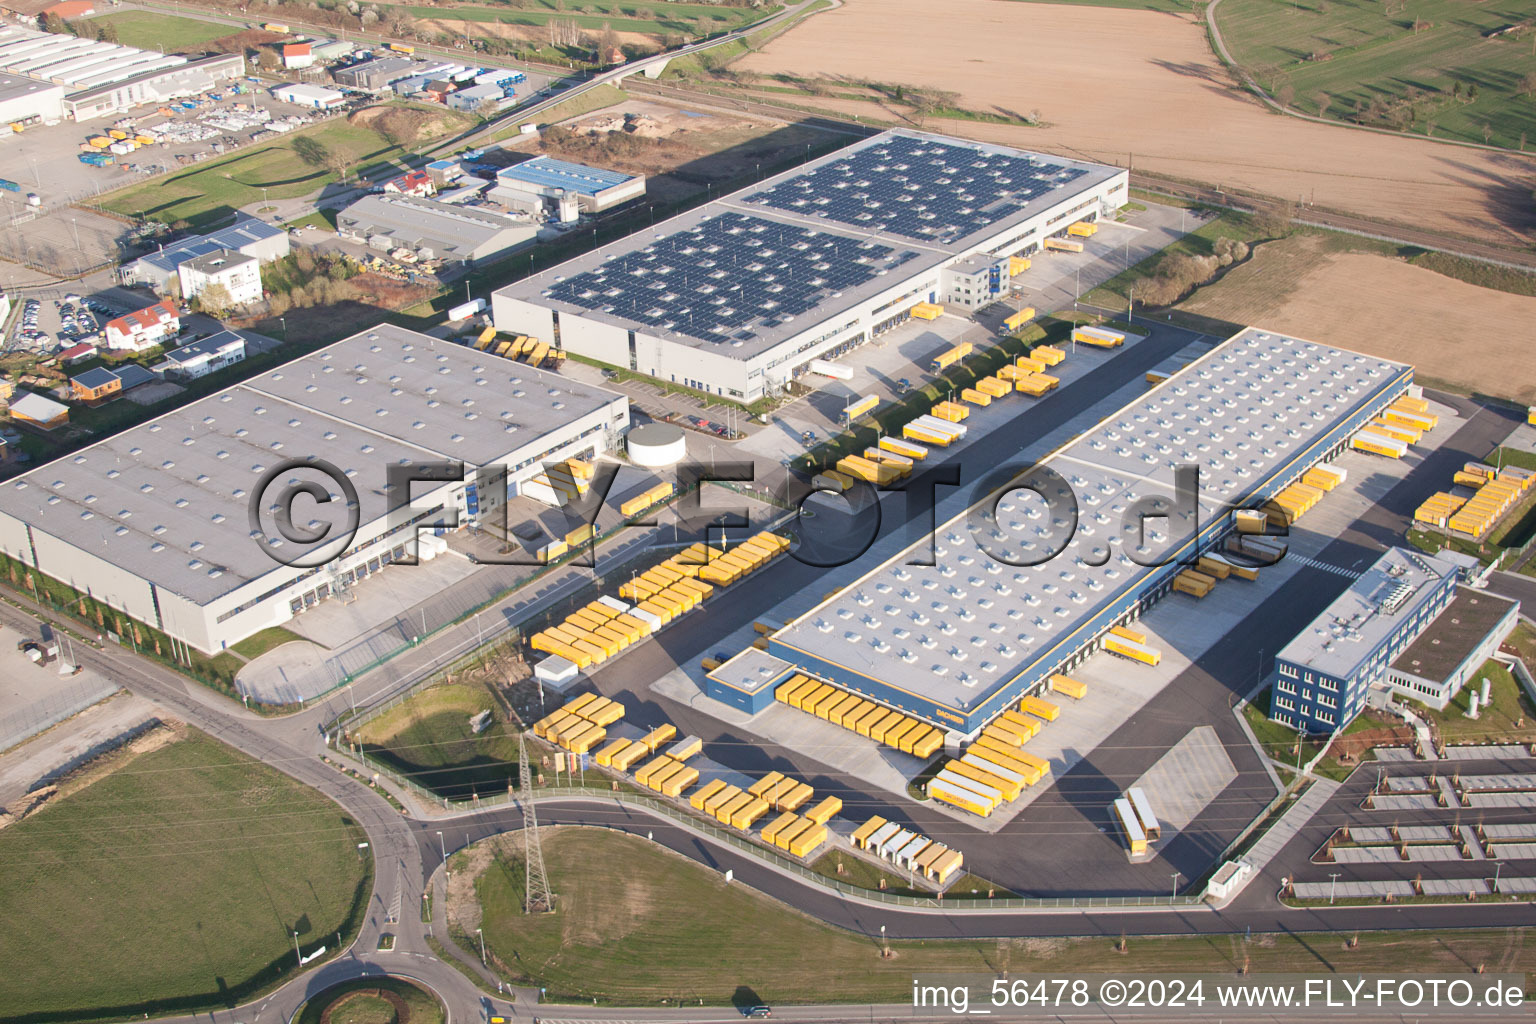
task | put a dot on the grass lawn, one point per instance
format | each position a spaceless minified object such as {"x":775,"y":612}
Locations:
{"x":209,"y":193}
{"x":1511,"y":717}
{"x":635,"y":925}
{"x":162,"y":31}
{"x":364,"y":1002}
{"x":257,"y":644}
{"x":172,"y":885}
{"x":427,"y":739}
{"x":323,"y":219}
{"x":1353,"y":60}
{"x":647,"y":19}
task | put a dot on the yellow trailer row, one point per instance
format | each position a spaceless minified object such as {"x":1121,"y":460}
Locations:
{"x":1493,"y":499}
{"x":1438,"y":508}
{"x":1048,"y":354}
{"x":1377,"y":443}
{"x":867,"y":470}
{"x":1072,"y":687}
{"x":1195,"y":584}
{"x":640,"y":502}
{"x":900,"y":463}
{"x":1063,"y":245}
{"x":593,"y":634}
{"x":1040,"y":708}
{"x":1018,"y":264}
{"x":1035,"y":384}
{"x":927,"y":311}
{"x":905,"y":449}
{"x":952,"y":412}
{"x":1083,"y":229}
{"x":977,"y":398}
{"x":1101,"y":337}
{"x":994,"y":387}
{"x":798,"y":836}
{"x":1131,"y":649}
{"x":865,"y":717}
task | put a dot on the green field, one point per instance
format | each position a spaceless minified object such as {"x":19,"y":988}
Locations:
{"x":1355,"y":61}
{"x":637,"y":925}
{"x":428,"y":740}
{"x":373,"y":1001}
{"x":1511,"y":717}
{"x":162,"y":31}
{"x":208,"y":194}
{"x":172,"y":885}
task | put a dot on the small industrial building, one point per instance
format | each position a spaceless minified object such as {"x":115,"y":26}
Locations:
{"x":204,"y":356}
{"x":249,"y":237}
{"x":594,"y":190}
{"x":98,"y":78}
{"x":144,"y":328}
{"x":432,"y":229}
{"x":375,"y":75}
{"x":37,"y":411}
{"x":1401,"y":628}
{"x":1448,"y":654}
{"x":306,"y":94}
{"x":152,"y":521}
{"x":26,"y":100}
{"x":332,"y":49}
{"x":237,"y":274}
{"x":740,"y":295}
{"x":956,"y":628}
{"x":474,"y":97}
{"x":297,"y":55}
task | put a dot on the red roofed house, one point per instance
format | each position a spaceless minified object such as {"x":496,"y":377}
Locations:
{"x":416,"y":183}
{"x":70,"y":9}
{"x":144,"y":329}
{"x":297,"y":55}
{"x":76,"y":353}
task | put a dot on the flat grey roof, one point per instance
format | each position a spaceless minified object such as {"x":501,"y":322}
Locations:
{"x":751,"y":670}
{"x":957,"y":631}
{"x":1385,"y":596}
{"x":15,"y":86}
{"x":960,"y":219}
{"x":1455,"y":634}
{"x":219,"y":259}
{"x":167,"y":500}
{"x":464,"y":228}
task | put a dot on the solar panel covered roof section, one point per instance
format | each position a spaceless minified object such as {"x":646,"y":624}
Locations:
{"x":728,"y":277}
{"x":957,"y":631}
{"x":920,"y":188}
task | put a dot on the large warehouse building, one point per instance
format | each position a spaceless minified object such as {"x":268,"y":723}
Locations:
{"x":153,"y":521}
{"x":432,"y":229}
{"x":97,"y":78}
{"x":957,"y":643}
{"x":741,"y":294}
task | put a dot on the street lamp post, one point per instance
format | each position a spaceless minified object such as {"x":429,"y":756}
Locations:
{"x":296,"y":954}
{"x":482,"y":946}
{"x":1175,"y":877}
{"x":1498,"y":866}
{"x":444,"y":851}
{"x":1333,"y":884}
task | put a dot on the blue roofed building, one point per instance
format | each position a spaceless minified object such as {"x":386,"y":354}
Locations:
{"x":595,"y":190}
{"x":249,"y":237}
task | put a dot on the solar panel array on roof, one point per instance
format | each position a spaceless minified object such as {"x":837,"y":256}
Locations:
{"x":919,"y":188}
{"x":726,"y":274}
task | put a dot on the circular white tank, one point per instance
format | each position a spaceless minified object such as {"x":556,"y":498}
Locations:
{"x":656,"y":444}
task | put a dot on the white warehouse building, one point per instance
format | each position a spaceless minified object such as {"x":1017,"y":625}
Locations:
{"x":742,"y":293}
{"x":154,"y":521}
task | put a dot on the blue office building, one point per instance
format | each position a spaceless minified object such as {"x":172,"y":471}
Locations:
{"x":1323,"y":676}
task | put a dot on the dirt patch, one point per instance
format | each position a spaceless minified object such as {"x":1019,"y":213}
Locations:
{"x":1449,"y":330}
{"x":538,"y":35}
{"x":463,"y":907}
{"x":1143,"y":88}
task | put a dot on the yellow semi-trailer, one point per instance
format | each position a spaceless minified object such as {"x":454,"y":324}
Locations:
{"x":658,"y":778}
{"x":1049,"y":354}
{"x":777,"y":825}
{"x":1083,"y":229}
{"x":979,"y":761}
{"x":764,"y":786}
{"x":1021,"y":722}
{"x":953,"y":412}
{"x":987,"y":750}
{"x":1216,"y":568}
{"x":1006,"y":732}
{"x":581,"y":700}
{"x":1030,"y":364}
{"x":797,"y":684}
{"x":994,"y":387}
{"x":700,"y":796}
{"x":727,"y":810}
{"x":894,"y":735}
{"x":1101,"y":337}
{"x":823,"y":811}
{"x":1063,"y":245}
{"x":659,"y":735}
{"x":718,"y":800}
{"x":1130,"y":649}
{"x":1017,"y":265}
{"x":878,"y":730}
{"x":862,"y":719}
{"x":808,"y":840}
{"x":905,"y":449}
{"x":854,"y":410}
{"x":1034,"y":761}
{"x":685,"y":748}
{"x":1133,"y":635}
{"x":1135,"y":838}
{"x":942,"y":427}
{"x":1019,"y":319}
{"x":796,"y":797}
{"x":929,"y":744}
{"x":901,"y":463}
{"x":1071,"y":687}
{"x":977,"y":398}
{"x":835,"y":710}
{"x":678,"y":782}
{"x":824,"y":706}
{"x":951,"y":777}
{"x":745,"y":816}
{"x":1378,"y":444}
{"x":860,"y":837}
{"x":831,"y":480}
{"x":910,"y":737}
{"x":957,"y":796}
{"x":1007,"y":788}
{"x":631,"y":755}
{"x":604,"y":757}
{"x":786,"y":835}
{"x":1407,"y":435}
{"x":927,"y":310}
{"x":1422,"y":421}
{"x":611,"y":711}
{"x":950,"y":356}
{"x":850,"y":713}
{"x":1187,"y":583}
{"x":809,"y":701}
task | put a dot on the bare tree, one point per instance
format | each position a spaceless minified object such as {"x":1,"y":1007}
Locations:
{"x":1323,"y":101}
{"x":1286,"y":94}
{"x":607,"y":43}
{"x":563,"y":32}
{"x":338,"y":160}
{"x":1527,"y":86}
{"x":1487,"y":132}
